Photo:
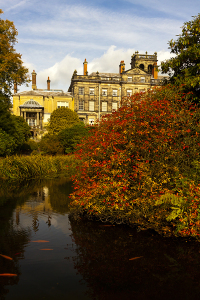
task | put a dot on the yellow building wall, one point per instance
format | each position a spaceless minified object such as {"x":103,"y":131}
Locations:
{"x":49,"y":102}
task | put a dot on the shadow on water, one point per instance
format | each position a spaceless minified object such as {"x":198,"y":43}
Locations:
{"x":89,"y":260}
{"x":118,"y":262}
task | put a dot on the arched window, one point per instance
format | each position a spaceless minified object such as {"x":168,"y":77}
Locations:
{"x":141,"y":66}
{"x":150,"y":68}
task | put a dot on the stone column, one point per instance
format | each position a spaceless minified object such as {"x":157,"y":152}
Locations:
{"x":25,"y":115}
{"x":38,"y":119}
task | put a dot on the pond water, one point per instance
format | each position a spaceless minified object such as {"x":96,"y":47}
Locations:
{"x":54,"y":257}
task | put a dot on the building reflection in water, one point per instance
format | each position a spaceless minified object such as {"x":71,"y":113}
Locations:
{"x":37,"y":204}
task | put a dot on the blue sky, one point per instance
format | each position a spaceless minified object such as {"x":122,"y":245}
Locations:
{"x":54,"y":37}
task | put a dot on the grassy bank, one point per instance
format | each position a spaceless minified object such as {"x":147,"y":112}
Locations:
{"x":37,"y":166}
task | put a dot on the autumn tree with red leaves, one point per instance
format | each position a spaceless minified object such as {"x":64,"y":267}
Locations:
{"x":141,"y":165}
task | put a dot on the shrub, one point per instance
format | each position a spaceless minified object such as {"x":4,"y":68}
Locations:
{"x":50,"y":144}
{"x":72,"y":136}
{"x":60,"y":119}
{"x":135,"y":156}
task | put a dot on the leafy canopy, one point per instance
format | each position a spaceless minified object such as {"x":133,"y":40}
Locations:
{"x":184,"y":69}
{"x":11,"y":65}
{"x":14,"y":132}
{"x":70,"y":137}
{"x":62,"y":118}
{"x":148,"y":148}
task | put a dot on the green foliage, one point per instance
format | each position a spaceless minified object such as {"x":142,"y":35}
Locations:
{"x":185,"y":67}
{"x":21,"y":132}
{"x":50,"y":144}
{"x":25,"y":167}
{"x":14,"y":132}
{"x":6,"y":143}
{"x":72,"y":136}
{"x":173,"y":202}
{"x":60,"y":119}
{"x":30,"y":146}
{"x":137,"y":154}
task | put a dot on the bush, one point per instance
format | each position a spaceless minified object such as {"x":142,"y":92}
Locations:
{"x":60,"y":119}
{"x":72,"y":136}
{"x":19,"y":168}
{"x":50,"y":144}
{"x":135,"y":156}
{"x":30,"y":146}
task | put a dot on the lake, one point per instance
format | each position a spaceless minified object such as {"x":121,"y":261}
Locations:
{"x":55,"y":257}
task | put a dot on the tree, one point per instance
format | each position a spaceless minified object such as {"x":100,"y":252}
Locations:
{"x":184,"y":69}
{"x":14,"y":132}
{"x":60,"y":119}
{"x":141,"y":165}
{"x":11,"y":65}
{"x":72,"y":136}
{"x":50,"y":144}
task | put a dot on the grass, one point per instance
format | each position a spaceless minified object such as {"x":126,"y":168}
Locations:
{"x":37,"y":166}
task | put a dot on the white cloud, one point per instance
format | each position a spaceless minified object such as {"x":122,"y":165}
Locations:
{"x":60,"y":73}
{"x":15,"y":4}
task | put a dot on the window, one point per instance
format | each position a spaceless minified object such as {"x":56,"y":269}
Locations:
{"x":141,"y":66}
{"x":142,"y":79}
{"x":81,"y":105}
{"x":81,"y":91}
{"x":104,"y":106}
{"x":129,"y":93}
{"x":141,"y":90}
{"x":114,"y":93}
{"x":105,"y":78}
{"x":91,"y":91}
{"x":129,"y":79}
{"x":114,"y":105}
{"x":104,"y":92}
{"x":91,"y":121}
{"x":91,"y":105}
{"x":62,"y":104}
{"x":150,"y":67}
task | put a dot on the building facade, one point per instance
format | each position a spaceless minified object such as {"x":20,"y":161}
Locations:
{"x":98,"y":94}
{"x":36,"y":105}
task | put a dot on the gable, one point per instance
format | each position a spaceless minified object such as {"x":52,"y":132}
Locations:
{"x":135,"y":71}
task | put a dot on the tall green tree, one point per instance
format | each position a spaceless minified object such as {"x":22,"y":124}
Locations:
{"x":14,"y":131}
{"x":184,"y":69}
{"x":62,"y":118}
{"x":11,"y":65}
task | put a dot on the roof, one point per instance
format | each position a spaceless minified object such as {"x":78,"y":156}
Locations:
{"x":45,"y":93}
{"x":31,"y":104}
{"x":105,"y":74}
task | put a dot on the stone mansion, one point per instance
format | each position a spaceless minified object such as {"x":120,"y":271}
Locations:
{"x":90,"y":95}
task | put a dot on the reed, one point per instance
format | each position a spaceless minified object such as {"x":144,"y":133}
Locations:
{"x":37,"y":166}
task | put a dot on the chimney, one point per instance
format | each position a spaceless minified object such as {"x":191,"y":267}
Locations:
{"x":155,"y":71}
{"x":15,"y":87}
{"x":34,"y":87}
{"x":121,"y":67}
{"x":85,"y":67}
{"x":48,"y":84}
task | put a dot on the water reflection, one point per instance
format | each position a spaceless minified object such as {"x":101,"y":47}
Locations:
{"x":120,"y":263}
{"x":27,"y":213}
{"x":88,"y":260}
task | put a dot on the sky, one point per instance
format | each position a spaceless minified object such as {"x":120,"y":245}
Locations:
{"x":55,"y":37}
